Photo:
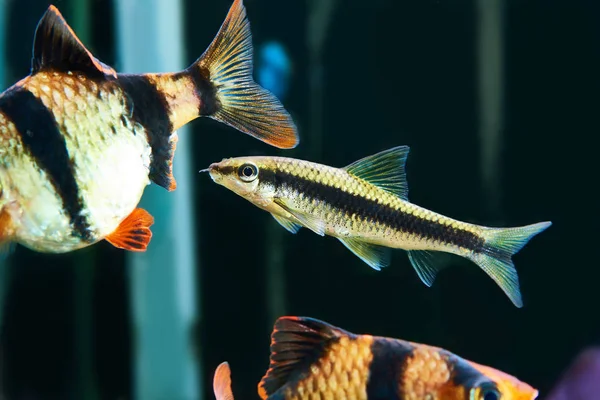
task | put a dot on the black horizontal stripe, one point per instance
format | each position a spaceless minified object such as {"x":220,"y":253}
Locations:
{"x":148,"y":107}
{"x":373,"y":212}
{"x":45,"y":143}
{"x":387,"y":366}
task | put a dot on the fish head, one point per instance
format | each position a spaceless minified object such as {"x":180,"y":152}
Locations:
{"x":434,"y":373}
{"x":498,"y":385}
{"x":248,"y":177}
{"x":471,"y":381}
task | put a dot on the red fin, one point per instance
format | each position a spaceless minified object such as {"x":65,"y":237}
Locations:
{"x":222,"y":382}
{"x":7,"y":246}
{"x":296,"y":342}
{"x":57,"y":48}
{"x":134,"y":232}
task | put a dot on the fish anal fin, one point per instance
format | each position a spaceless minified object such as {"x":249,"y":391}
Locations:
{"x":57,"y":48}
{"x":385,"y":170}
{"x":134,"y":232}
{"x":296,"y":343}
{"x":375,"y":256}
{"x":163,"y":174}
{"x":222,"y":382}
{"x":427,"y":264}
{"x":290,"y":226}
{"x":309,"y":221}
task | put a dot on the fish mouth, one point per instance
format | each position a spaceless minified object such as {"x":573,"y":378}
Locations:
{"x":213,"y":171}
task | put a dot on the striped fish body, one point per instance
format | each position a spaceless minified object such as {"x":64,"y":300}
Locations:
{"x":351,"y":207}
{"x":312,"y":359}
{"x":365,"y":205}
{"x":79,"y":142}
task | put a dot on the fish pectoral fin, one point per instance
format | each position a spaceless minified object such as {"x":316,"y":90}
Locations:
{"x":311,"y":222}
{"x":295,"y":343}
{"x":427,"y":264}
{"x":57,"y":48}
{"x":385,"y":170}
{"x":222,"y":382}
{"x":375,"y":256}
{"x":134,"y":232}
{"x":290,"y":226}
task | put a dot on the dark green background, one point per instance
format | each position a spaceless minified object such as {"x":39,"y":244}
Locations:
{"x":395,"y":72}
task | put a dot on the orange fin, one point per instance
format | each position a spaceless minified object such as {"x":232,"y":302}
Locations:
{"x":57,"y":48}
{"x":134,"y":232}
{"x":222,"y":382}
{"x":296,"y":343}
{"x":7,"y":246}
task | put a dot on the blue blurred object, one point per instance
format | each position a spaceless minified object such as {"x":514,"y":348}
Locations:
{"x":274,"y":69}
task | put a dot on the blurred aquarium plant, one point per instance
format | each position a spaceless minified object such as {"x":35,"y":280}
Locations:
{"x":162,"y":279}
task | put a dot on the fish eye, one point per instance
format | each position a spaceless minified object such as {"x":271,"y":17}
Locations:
{"x":489,"y":392}
{"x":247,"y":172}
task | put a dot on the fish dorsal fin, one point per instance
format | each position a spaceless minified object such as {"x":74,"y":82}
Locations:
{"x":296,"y":343}
{"x":57,"y":48}
{"x":385,"y":170}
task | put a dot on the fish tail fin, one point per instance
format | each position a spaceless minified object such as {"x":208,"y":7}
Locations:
{"x":227,"y":91}
{"x":495,"y":257}
{"x":222,"y":382}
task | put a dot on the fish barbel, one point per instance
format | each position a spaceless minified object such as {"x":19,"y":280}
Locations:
{"x":79,"y":142}
{"x":365,"y":205}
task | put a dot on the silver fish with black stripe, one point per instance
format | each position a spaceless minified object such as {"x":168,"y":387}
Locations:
{"x":365,"y":205}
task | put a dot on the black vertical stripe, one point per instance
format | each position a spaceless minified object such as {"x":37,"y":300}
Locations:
{"x":148,"y":107}
{"x":464,"y":374}
{"x":386,"y":369}
{"x":205,"y":90}
{"x":42,"y":138}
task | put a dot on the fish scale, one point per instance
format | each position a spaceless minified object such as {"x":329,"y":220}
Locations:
{"x":102,"y":141}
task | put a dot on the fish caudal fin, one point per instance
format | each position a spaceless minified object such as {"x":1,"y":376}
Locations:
{"x":495,"y":258}
{"x":134,"y":232}
{"x":227,"y":91}
{"x":222,"y":382}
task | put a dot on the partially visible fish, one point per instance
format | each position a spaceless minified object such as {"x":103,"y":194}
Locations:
{"x":311,"y":359}
{"x":80,"y":142}
{"x":365,"y":205}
